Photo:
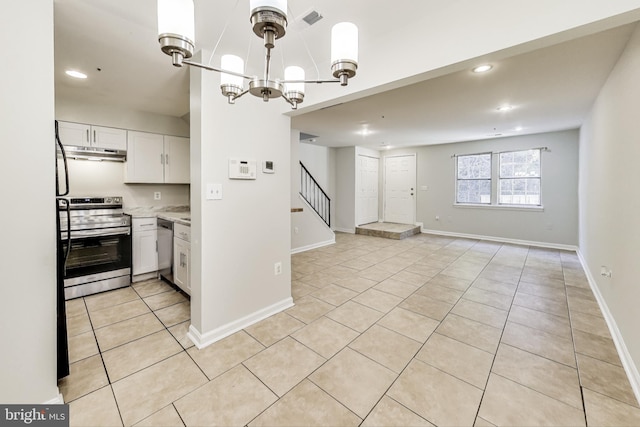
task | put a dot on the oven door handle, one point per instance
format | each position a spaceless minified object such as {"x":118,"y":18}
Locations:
{"x":68,"y":251}
{"x":99,"y":233}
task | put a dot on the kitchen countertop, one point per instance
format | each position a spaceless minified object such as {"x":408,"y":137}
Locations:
{"x":178,"y":215}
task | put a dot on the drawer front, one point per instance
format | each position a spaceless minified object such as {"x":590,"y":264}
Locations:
{"x":143,"y":224}
{"x":182,"y":231}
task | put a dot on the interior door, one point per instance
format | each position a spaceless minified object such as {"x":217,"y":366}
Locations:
{"x":367,"y":193}
{"x":399,"y":189}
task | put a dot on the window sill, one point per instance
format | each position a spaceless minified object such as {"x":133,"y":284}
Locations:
{"x":499,"y":207}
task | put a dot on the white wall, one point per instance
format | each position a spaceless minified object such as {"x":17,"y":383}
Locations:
{"x":237,"y":240}
{"x":320,"y":162}
{"x":345,"y":206}
{"x":609,"y":201}
{"x":443,"y":35}
{"x":556,"y":224}
{"x":316,"y":159}
{"x":28,"y":297}
{"x":88,"y":178}
{"x":308,"y":230}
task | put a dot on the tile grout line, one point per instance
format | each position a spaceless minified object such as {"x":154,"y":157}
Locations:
{"x":493,"y":361}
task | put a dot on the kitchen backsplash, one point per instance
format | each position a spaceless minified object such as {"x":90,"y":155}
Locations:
{"x":89,"y":178}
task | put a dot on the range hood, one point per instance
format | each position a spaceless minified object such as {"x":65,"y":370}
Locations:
{"x":98,"y":154}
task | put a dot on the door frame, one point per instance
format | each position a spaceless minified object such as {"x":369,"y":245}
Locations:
{"x":384,"y":185}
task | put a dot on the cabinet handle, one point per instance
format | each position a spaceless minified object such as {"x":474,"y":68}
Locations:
{"x":87,"y":136}
{"x":156,"y":246}
{"x":94,"y":136}
{"x":166,"y":156}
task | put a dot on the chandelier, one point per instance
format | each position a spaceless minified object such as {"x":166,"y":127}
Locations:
{"x":176,"y":34}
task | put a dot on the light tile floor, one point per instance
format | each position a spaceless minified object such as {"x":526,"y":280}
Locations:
{"x":424,"y":331}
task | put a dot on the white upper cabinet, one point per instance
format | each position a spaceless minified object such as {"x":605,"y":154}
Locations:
{"x":74,"y":134}
{"x":82,"y":135}
{"x":111,"y":138}
{"x":176,"y":160}
{"x":145,"y":158}
{"x":157,"y":159}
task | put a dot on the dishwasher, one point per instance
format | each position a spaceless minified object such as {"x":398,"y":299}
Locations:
{"x":165,"y":249}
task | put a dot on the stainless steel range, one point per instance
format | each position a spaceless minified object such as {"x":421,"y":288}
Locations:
{"x":98,"y":246}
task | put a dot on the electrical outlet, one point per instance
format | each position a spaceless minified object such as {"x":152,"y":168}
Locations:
{"x":277,"y":268}
{"x":295,"y":230}
{"x":157,"y":195}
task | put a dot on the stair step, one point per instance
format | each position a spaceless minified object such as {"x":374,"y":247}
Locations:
{"x":388,"y":230}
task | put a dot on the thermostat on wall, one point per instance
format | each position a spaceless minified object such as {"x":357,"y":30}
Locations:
{"x":267,"y":166}
{"x":242,"y":169}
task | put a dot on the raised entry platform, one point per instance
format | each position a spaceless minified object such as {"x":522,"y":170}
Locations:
{"x":388,"y":230}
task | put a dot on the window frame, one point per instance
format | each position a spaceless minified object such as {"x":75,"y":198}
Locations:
{"x":500,"y":179}
{"x":495,"y":183}
{"x":490,"y":179}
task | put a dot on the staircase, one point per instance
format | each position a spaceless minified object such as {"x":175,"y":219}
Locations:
{"x":311,"y":191}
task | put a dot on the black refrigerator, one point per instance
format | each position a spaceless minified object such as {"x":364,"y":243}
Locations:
{"x":62,"y":254}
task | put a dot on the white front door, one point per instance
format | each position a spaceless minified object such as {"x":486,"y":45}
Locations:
{"x":367,"y":192}
{"x":399,"y":189}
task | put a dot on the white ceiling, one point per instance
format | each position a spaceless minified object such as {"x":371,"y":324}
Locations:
{"x":115,"y":43}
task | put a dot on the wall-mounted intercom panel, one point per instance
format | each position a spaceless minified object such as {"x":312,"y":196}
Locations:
{"x":242,"y":169}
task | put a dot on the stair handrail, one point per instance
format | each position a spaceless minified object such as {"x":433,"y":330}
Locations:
{"x":321,"y":204}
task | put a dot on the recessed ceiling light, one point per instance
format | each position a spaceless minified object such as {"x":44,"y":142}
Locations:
{"x":505,"y":108}
{"x":518,"y":129}
{"x":482,"y":68}
{"x":76,"y":74}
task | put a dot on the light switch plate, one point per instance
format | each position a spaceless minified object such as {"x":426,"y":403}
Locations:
{"x":214,"y":191}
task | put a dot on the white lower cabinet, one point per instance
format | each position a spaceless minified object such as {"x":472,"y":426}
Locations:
{"x":145,"y":246}
{"x":181,"y":257}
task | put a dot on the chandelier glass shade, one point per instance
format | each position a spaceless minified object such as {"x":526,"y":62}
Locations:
{"x":176,"y":35}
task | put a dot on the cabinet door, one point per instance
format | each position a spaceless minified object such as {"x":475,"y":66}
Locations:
{"x":145,"y":158}
{"x":181,"y":255}
{"x":111,"y":138}
{"x":176,"y":163}
{"x":74,"y":134}
{"x":145,"y":251}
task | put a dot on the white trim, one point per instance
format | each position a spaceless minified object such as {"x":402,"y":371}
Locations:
{"x":560,"y":246}
{"x":313,"y":246}
{"x":203,"y":340}
{"x":345,"y":230}
{"x":532,"y":208}
{"x":58,"y":400}
{"x":625,"y":357}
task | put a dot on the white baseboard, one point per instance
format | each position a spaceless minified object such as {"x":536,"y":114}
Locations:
{"x":345,"y":230}
{"x":560,"y":246}
{"x":313,"y":246}
{"x":625,"y":357}
{"x":203,"y":340}
{"x":58,"y":400}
